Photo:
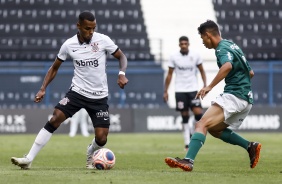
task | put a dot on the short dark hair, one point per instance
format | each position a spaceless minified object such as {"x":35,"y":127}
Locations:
{"x":86,"y":15}
{"x":209,"y":26}
{"x":183,"y":38}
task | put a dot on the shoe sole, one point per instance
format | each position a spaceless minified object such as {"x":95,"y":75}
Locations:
{"x":257,"y":156}
{"x":22,"y":166}
{"x":174,"y":164}
{"x":170,"y":163}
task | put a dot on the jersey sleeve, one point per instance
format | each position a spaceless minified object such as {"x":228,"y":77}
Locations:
{"x":248,"y":66}
{"x":63,"y":53}
{"x":110,"y":46}
{"x":199,"y":60}
{"x":171,"y":63}
{"x":224,"y":56}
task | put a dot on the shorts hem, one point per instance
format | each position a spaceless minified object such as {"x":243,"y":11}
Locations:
{"x":102,"y":126}
{"x":61,"y":109}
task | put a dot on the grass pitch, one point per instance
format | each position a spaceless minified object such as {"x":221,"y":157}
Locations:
{"x":140,"y":159}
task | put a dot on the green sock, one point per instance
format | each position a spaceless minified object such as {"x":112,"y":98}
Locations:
{"x":231,"y":137}
{"x":197,"y":140}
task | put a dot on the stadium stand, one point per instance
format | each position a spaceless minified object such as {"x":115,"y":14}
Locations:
{"x":21,"y":81}
{"x":35,"y":29}
{"x":255,"y":25}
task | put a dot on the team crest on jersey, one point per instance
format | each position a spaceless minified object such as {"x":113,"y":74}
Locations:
{"x":64,"y":101}
{"x":95,"y":47}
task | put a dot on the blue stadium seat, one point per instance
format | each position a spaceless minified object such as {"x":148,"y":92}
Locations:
{"x":55,"y":20}
{"x":253,"y":24}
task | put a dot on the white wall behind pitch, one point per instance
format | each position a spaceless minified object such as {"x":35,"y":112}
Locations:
{"x":168,"y":20}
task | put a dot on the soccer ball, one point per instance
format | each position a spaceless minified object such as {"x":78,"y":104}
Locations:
{"x":103,"y":159}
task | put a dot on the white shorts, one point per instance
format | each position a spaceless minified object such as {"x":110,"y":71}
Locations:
{"x":235,"y":109}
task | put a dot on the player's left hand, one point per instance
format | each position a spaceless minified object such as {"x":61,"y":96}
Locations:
{"x":203,"y":92}
{"x":122,"y":81}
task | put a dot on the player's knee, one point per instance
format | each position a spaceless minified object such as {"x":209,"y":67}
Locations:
{"x":200,"y":127}
{"x":57,"y":118}
{"x":198,"y":116}
{"x":185,"y":119}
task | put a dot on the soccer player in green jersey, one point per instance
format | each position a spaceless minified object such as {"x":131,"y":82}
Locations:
{"x":231,"y":107}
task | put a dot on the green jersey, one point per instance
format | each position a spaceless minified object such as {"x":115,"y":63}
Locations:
{"x":238,"y":80}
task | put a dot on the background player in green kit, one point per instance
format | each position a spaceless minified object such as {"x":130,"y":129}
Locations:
{"x":231,"y":107}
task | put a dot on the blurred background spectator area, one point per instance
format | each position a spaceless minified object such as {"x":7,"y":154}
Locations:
{"x":255,"y":25}
{"x":147,"y":31}
{"x":35,"y":29}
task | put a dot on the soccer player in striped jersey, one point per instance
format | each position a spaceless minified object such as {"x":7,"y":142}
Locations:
{"x":231,"y":107}
{"x":89,"y":88}
{"x":185,"y":64}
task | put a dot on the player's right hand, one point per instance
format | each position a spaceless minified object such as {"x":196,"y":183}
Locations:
{"x":203,"y":92}
{"x":39,"y":96}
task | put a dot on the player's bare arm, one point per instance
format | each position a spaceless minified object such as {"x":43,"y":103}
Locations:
{"x":52,"y":72}
{"x":122,"y":80}
{"x":222,"y":73}
{"x":203,"y":74}
{"x":167,"y":83}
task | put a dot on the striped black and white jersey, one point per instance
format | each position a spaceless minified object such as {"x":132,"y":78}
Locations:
{"x":185,"y":68}
{"x":89,"y":60}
